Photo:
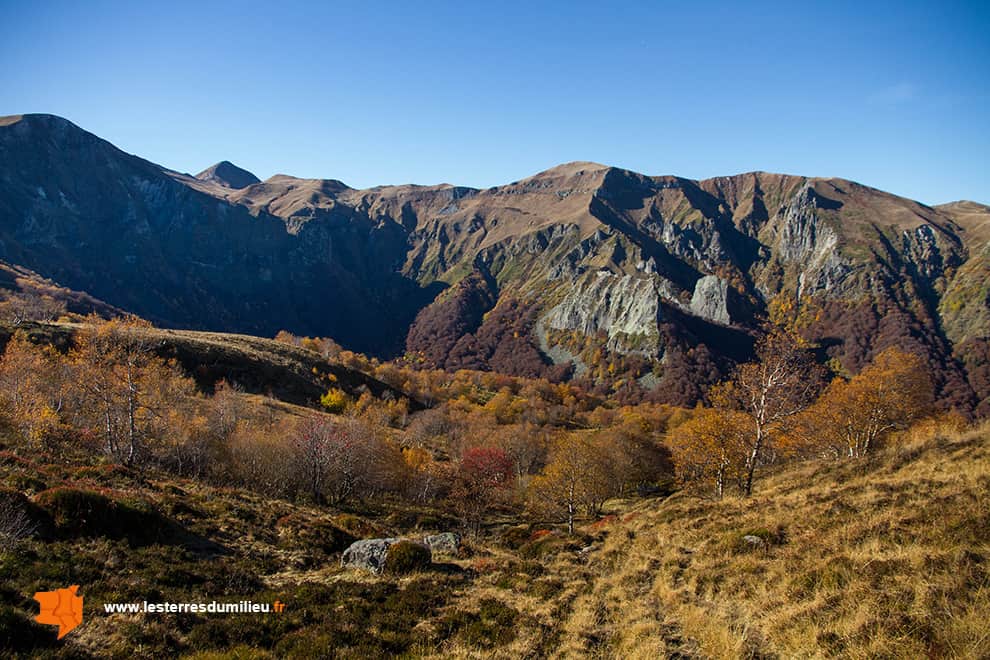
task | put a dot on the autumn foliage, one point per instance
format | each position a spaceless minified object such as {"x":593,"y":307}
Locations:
{"x":713,"y":447}
{"x":770,"y":412}
{"x":853,"y":416}
{"x":481,"y":481}
{"x":488,"y":445}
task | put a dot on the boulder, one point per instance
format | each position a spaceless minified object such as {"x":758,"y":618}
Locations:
{"x":371,"y":554}
{"x":368,"y":554}
{"x":445,"y":543}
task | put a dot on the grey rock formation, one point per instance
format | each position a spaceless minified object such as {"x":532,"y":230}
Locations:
{"x":711,"y":299}
{"x":754,"y":542}
{"x":368,"y":554}
{"x":625,"y":307}
{"x":804,"y":237}
{"x":443,"y":543}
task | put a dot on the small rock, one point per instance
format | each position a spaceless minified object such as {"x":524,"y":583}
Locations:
{"x":755,"y":542}
{"x":445,"y":543}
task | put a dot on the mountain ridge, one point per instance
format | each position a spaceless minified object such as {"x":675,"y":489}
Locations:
{"x":655,"y":268}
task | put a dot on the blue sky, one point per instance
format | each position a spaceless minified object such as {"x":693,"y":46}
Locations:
{"x":894,"y":95}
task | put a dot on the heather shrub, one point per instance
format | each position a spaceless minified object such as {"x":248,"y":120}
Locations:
{"x":407,"y":557}
{"x":493,"y":625}
{"x":77,"y":512}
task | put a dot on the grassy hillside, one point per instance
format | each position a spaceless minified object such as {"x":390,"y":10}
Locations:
{"x":125,"y":536}
{"x":258,"y":365}
{"x":879,"y":558}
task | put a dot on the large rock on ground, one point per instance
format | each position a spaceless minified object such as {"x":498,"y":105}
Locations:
{"x":368,"y":554}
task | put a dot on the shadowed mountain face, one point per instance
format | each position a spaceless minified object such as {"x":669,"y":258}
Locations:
{"x":77,"y":210}
{"x":669,"y":275}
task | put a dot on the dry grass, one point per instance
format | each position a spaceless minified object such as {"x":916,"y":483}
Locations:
{"x":864,"y":559}
{"x":880,"y":558}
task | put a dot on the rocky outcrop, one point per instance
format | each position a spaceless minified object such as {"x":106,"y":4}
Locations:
{"x":624,"y":307}
{"x":711,"y":300}
{"x":804,"y":237}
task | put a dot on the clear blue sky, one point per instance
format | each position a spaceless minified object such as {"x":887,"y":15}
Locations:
{"x":894,"y":95}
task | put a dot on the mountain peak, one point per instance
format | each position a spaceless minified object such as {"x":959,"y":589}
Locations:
{"x":573,"y":168}
{"x":228,"y":175}
{"x":40,"y":119}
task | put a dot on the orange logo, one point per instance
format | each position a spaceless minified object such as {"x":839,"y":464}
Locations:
{"x":62,"y":608}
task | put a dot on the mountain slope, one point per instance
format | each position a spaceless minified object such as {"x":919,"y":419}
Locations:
{"x":254,"y":365}
{"x":76,"y":209}
{"x":670,"y":275}
{"x":849,"y":559}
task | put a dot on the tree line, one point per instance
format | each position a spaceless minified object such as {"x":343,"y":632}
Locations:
{"x":783,"y":406}
{"x":489,"y":443}
{"x":478,"y":450}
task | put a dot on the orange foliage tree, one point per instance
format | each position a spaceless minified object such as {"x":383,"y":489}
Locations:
{"x":781,"y":382}
{"x":852,"y":416}
{"x":127,"y":393}
{"x":33,"y":382}
{"x":713,"y":445}
{"x":577,"y":476}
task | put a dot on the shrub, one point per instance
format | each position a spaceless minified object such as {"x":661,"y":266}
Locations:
{"x":356,"y":526}
{"x":515,"y":537}
{"x":10,"y":458}
{"x":19,"y":518}
{"x":334,"y":401}
{"x":738,"y":543}
{"x":312,"y":642}
{"x":301,"y":533}
{"x":483,"y":565}
{"x":107,"y":474}
{"x":19,"y":633}
{"x":240,"y":652}
{"x":27,"y":482}
{"x":551,"y":544}
{"x":546,"y":589}
{"x":493,"y":625}
{"x":78,"y":512}
{"x":406,"y":557}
